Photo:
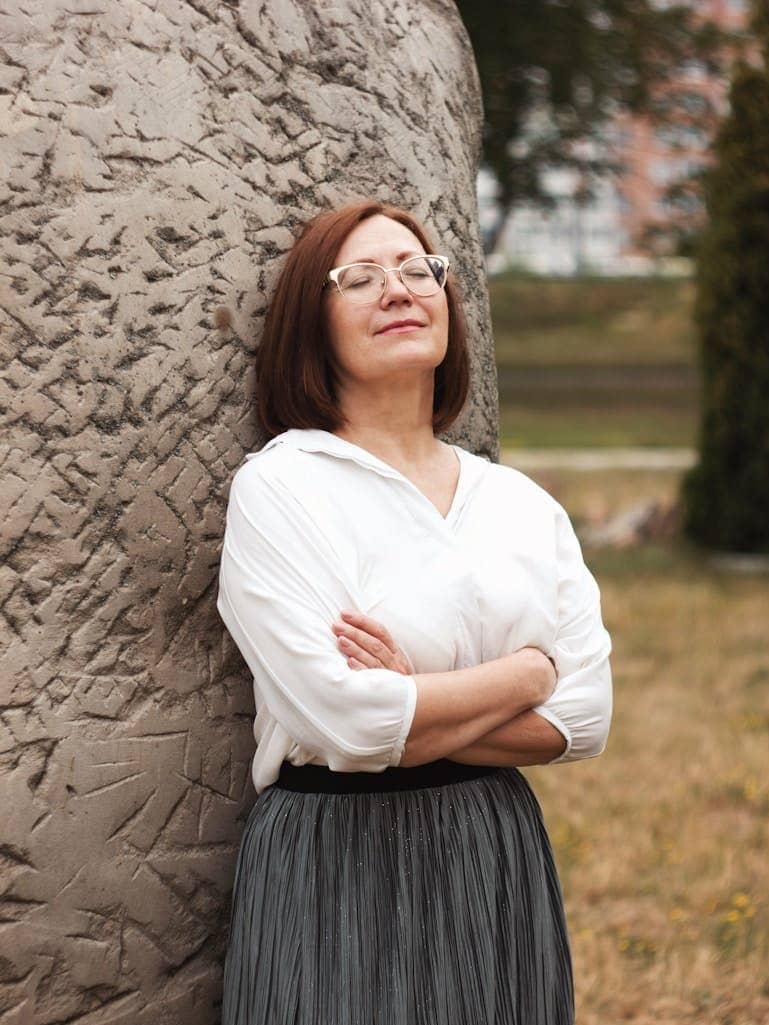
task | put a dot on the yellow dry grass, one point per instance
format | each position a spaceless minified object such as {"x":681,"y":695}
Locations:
{"x":662,"y":843}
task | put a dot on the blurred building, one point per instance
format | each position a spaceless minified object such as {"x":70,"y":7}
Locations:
{"x":630,"y":224}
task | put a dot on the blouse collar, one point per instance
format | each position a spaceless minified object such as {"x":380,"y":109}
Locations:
{"x":311,"y":439}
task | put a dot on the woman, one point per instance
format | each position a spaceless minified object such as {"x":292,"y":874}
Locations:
{"x":418,"y":622}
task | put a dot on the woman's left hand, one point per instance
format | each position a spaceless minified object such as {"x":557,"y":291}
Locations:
{"x":367,"y":644}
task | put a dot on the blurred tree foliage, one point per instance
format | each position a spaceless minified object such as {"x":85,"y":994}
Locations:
{"x":554,"y":71}
{"x":726,"y":496}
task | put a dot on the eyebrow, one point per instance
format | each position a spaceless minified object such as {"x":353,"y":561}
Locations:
{"x":400,"y":256}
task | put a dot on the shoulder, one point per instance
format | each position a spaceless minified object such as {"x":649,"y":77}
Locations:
{"x":534,"y":510}
{"x":515,"y":485}
{"x":272,"y":465}
{"x":264,"y":489}
{"x":282,"y":486}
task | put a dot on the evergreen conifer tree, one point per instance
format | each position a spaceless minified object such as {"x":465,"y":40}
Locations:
{"x":726,"y":496}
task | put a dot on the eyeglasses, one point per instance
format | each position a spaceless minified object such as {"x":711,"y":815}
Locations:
{"x":366,"y":282}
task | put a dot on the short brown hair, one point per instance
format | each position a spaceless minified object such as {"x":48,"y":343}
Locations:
{"x":295,"y":373}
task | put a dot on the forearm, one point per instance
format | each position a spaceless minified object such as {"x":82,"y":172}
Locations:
{"x":526,"y":739}
{"x":455,"y":709}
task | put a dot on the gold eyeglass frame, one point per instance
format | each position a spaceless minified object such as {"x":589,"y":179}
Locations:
{"x":333,"y":276}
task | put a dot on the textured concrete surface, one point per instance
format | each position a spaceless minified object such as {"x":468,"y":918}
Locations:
{"x":156,"y":157}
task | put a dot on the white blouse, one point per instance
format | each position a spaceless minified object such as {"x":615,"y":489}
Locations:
{"x":316,"y":524}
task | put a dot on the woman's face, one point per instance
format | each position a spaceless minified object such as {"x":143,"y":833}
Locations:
{"x":363,"y":348}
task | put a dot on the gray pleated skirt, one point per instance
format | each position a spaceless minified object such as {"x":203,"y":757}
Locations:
{"x":433,"y":902}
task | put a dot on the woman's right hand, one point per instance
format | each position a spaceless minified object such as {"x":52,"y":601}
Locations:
{"x":367,"y":644}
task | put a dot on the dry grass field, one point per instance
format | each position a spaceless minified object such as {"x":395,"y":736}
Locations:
{"x":662,"y":842}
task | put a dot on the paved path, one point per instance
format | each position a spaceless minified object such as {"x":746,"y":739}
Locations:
{"x":599,"y":458}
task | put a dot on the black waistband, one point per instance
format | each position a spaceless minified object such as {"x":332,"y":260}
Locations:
{"x":319,"y":779}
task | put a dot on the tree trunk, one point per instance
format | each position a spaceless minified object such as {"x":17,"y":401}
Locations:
{"x":158,"y":158}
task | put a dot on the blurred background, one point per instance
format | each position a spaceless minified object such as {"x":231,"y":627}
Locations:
{"x":624,"y":204}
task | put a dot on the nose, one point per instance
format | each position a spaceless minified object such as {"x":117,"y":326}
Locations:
{"x":394,"y":287}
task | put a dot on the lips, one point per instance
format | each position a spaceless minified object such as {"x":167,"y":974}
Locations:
{"x":399,"y":323}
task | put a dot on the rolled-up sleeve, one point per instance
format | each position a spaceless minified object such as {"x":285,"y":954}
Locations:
{"x":281,"y":585}
{"x":581,"y":704}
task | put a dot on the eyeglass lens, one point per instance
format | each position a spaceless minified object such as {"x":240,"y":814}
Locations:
{"x":365,"y":282}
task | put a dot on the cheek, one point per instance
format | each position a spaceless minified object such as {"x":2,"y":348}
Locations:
{"x":345,"y":333}
{"x":345,"y":320}
{"x":441,"y":315}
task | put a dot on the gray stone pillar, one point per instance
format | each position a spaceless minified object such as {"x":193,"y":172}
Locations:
{"x":156,"y":158}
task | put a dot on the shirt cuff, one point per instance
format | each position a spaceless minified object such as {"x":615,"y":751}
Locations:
{"x":553,"y":719}
{"x":409,"y":710}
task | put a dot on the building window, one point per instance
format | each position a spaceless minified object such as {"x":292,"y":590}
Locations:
{"x":663,"y":171}
{"x":693,"y":103}
{"x":668,"y":135}
{"x":695,"y":70}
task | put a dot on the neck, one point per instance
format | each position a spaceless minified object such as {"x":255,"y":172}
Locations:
{"x":410,"y":447}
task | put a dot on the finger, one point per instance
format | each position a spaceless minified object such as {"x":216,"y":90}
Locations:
{"x":365,"y":643}
{"x":355,"y":653}
{"x":370,"y":626}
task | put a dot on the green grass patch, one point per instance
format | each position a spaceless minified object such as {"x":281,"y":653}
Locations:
{"x":547,"y":421}
{"x":593,"y":321}
{"x":595,"y":362}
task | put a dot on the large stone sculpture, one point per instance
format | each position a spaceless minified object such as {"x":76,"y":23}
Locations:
{"x":156,"y":159}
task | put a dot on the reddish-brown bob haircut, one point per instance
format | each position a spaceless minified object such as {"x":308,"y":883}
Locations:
{"x":296,"y":373}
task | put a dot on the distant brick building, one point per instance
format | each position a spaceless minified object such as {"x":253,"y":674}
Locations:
{"x":629,"y":224}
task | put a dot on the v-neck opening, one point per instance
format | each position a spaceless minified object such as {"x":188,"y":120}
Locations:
{"x":402,"y":476}
{"x":454,"y":497}
{"x":460,"y":481}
